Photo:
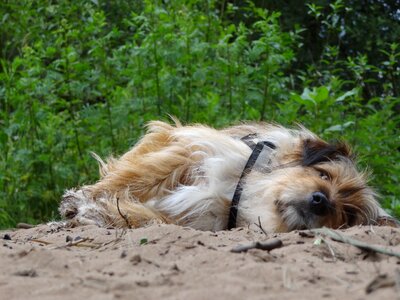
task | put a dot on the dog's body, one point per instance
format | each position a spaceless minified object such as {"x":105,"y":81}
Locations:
{"x":187,"y":175}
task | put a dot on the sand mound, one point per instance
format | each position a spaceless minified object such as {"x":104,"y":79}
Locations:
{"x":171,"y":262}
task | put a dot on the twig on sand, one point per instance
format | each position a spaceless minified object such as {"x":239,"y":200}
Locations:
{"x":260,"y":226}
{"x":76,"y":243}
{"x":268,"y":245}
{"x":122,"y":215}
{"x":330,"y":249}
{"x":40,"y":241}
{"x":379,"y":281}
{"x":79,"y":243}
{"x":287,"y":278}
{"x":24,"y":226}
{"x":114,"y":241}
{"x":336,"y":236}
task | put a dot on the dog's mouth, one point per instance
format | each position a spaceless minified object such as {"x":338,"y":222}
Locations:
{"x":295,"y":217}
{"x":306,"y":213}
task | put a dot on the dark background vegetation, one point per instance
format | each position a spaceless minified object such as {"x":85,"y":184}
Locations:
{"x":80,"y":76}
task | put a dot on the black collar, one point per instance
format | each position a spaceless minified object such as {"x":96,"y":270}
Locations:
{"x":257,"y":149}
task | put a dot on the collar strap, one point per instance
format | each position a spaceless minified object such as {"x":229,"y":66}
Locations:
{"x":257,"y":149}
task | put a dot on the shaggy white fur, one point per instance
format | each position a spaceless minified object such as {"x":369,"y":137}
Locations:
{"x":187,"y":175}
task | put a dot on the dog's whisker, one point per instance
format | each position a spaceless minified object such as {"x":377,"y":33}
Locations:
{"x":358,"y":209}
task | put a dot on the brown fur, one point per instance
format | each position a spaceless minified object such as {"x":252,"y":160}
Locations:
{"x":187,"y":174}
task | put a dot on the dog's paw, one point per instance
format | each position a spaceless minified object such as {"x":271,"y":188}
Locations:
{"x":78,"y":207}
{"x":71,"y":201}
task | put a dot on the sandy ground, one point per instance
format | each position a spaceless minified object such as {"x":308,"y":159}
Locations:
{"x":171,"y":262}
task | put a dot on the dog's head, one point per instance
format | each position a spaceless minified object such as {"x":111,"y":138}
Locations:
{"x":325,"y":189}
{"x":313,"y":184}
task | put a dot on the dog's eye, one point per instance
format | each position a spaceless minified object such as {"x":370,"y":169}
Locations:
{"x":323,"y":175}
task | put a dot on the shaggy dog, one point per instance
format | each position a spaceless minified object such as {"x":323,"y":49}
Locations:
{"x":282,"y":179}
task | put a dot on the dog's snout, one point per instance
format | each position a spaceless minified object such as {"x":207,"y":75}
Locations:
{"x":319,"y":203}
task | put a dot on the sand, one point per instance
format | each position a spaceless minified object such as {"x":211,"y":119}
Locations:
{"x":172,"y":262}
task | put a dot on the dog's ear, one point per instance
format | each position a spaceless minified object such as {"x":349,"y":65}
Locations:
{"x":316,"y":151}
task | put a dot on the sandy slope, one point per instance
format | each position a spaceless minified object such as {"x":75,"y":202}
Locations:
{"x":182,"y":263}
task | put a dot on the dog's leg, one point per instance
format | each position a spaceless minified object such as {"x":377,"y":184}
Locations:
{"x":150,"y":170}
{"x":117,"y":210}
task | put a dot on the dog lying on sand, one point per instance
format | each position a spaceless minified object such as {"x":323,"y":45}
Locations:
{"x":282,"y":179}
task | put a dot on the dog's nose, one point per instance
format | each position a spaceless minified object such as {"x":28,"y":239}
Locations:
{"x":319,"y":203}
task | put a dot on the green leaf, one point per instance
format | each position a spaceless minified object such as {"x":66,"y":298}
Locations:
{"x":347,"y":94}
{"x":321,"y":94}
{"x":304,"y":99}
{"x":339,"y":127}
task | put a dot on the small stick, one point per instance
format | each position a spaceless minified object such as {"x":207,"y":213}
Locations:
{"x":260,"y":226}
{"x":75,"y":243}
{"x":268,"y":246}
{"x":116,"y":240}
{"x":380,"y":281}
{"x":92,"y":246}
{"x":336,"y":236}
{"x":330,"y":249}
{"x":122,"y":215}
{"x":40,"y":241}
{"x":24,"y":226}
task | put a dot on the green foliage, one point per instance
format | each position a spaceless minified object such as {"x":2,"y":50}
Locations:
{"x":86,"y":76}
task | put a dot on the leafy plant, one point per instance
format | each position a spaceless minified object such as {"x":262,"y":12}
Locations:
{"x":82,"y":76}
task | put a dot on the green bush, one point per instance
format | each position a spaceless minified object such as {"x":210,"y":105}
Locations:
{"x":86,"y":76}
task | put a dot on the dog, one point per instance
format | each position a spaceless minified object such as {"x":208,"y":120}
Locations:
{"x":281,"y":179}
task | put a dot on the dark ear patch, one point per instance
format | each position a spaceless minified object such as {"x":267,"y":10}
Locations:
{"x":318,"y":151}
